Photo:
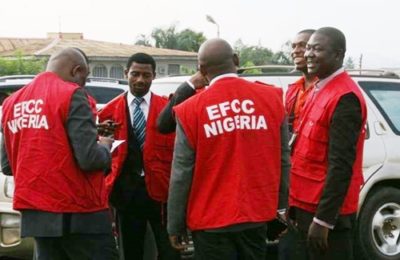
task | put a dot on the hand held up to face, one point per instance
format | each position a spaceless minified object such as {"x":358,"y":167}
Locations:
{"x":198,"y":80}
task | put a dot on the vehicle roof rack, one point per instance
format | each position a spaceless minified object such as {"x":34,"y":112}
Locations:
{"x":110,"y":80}
{"x":12,"y":77}
{"x":268,"y":68}
{"x":373,"y":72}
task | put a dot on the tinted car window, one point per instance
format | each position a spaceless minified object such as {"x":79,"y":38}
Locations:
{"x":386,"y":96}
{"x":103,"y":95}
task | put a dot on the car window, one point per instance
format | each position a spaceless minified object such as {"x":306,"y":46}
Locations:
{"x":103,"y":94}
{"x":9,"y":89}
{"x":386,"y":96}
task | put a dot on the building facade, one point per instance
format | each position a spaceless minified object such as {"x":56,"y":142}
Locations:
{"x":107,"y":59}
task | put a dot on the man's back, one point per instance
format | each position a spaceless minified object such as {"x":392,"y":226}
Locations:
{"x":234,"y":129}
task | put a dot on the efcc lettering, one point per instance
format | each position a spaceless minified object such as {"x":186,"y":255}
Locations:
{"x":244,"y":117}
{"x":27,"y":115}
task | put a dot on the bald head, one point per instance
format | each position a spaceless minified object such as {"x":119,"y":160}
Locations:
{"x":216,"y":57}
{"x":70,"y":65}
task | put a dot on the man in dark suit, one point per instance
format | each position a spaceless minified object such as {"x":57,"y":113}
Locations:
{"x":326,"y":172}
{"x":138,"y":183}
{"x":166,"y":122}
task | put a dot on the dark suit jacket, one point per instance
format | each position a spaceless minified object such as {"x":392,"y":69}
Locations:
{"x":166,"y":120}
{"x":127,"y":182}
{"x":343,"y":135}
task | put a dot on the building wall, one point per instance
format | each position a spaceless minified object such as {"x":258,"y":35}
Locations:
{"x":164,"y":67}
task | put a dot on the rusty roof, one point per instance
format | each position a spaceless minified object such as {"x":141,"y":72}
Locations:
{"x":48,"y":46}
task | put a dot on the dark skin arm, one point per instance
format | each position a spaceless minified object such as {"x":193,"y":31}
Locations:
{"x":166,"y":120}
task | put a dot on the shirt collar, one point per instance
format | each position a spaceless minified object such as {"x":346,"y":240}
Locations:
{"x":322,"y":83}
{"x":130,"y":97}
{"x":226,"y":75}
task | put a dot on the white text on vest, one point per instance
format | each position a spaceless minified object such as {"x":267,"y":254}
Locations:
{"x":222,"y":123}
{"x":27,"y":115}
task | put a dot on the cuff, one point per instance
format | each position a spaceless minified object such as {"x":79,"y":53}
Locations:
{"x":323,"y":223}
{"x":190,"y":84}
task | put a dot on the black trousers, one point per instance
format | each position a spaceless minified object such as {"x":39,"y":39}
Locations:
{"x":248,"y":244}
{"x":132,"y":224}
{"x":340,"y":240}
{"x":76,"y":247}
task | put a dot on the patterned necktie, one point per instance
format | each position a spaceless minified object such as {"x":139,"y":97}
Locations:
{"x":139,"y":122}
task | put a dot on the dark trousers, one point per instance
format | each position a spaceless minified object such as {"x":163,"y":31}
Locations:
{"x":76,"y":247}
{"x":340,"y":239}
{"x":247,"y":244}
{"x":340,"y":247}
{"x":132,"y":224}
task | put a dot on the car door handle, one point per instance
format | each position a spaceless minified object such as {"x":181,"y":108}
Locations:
{"x":380,"y":128}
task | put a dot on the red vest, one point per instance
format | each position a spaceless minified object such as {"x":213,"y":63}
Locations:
{"x":234,"y":129}
{"x":46,"y":174}
{"x":157,"y":150}
{"x":310,"y":154}
{"x":291,"y":95}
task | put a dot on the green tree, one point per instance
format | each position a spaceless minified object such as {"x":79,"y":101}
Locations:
{"x":19,"y":65}
{"x":170,"y":38}
{"x":165,"y":38}
{"x":142,"y":40}
{"x":258,"y":55}
{"x":349,"y":63}
{"x":283,"y":56}
{"x":189,"y":40}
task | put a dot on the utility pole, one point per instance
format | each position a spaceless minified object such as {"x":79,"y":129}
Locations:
{"x":211,"y":20}
{"x":360,"y":63}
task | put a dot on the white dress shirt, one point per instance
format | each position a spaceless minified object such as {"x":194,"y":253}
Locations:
{"x":145,"y":105}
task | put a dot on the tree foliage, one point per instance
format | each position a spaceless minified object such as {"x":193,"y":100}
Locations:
{"x":259,"y":55}
{"x":349,"y":63}
{"x":170,"y":38}
{"x":18,"y":65}
{"x":142,"y":40}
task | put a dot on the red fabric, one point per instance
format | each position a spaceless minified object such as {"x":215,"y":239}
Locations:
{"x":237,"y":171}
{"x":296,"y":97}
{"x":310,"y":154}
{"x":157,"y":150}
{"x":46,"y":174}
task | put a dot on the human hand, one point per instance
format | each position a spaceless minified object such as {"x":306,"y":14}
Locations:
{"x":198,"y":80}
{"x":179,"y":242}
{"x":317,"y":237}
{"x":107,"y":127}
{"x":104,"y":140}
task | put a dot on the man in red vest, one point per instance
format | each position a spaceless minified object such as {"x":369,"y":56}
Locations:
{"x":297,"y":93}
{"x":50,"y":147}
{"x":230,"y":153}
{"x":326,"y":173}
{"x":138,"y":183}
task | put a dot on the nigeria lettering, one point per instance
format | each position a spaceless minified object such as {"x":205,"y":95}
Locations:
{"x":27,"y":115}
{"x":244,"y":117}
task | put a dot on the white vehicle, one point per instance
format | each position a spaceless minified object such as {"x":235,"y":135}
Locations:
{"x":378,"y":226}
{"x":378,"y":223}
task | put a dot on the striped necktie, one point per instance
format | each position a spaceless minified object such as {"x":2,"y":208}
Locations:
{"x":139,"y":122}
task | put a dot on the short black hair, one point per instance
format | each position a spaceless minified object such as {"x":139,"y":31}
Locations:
{"x":337,"y":37}
{"x":141,"y":58}
{"x":309,"y":31}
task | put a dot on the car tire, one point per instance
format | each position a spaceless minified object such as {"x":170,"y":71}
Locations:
{"x":378,"y":229}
